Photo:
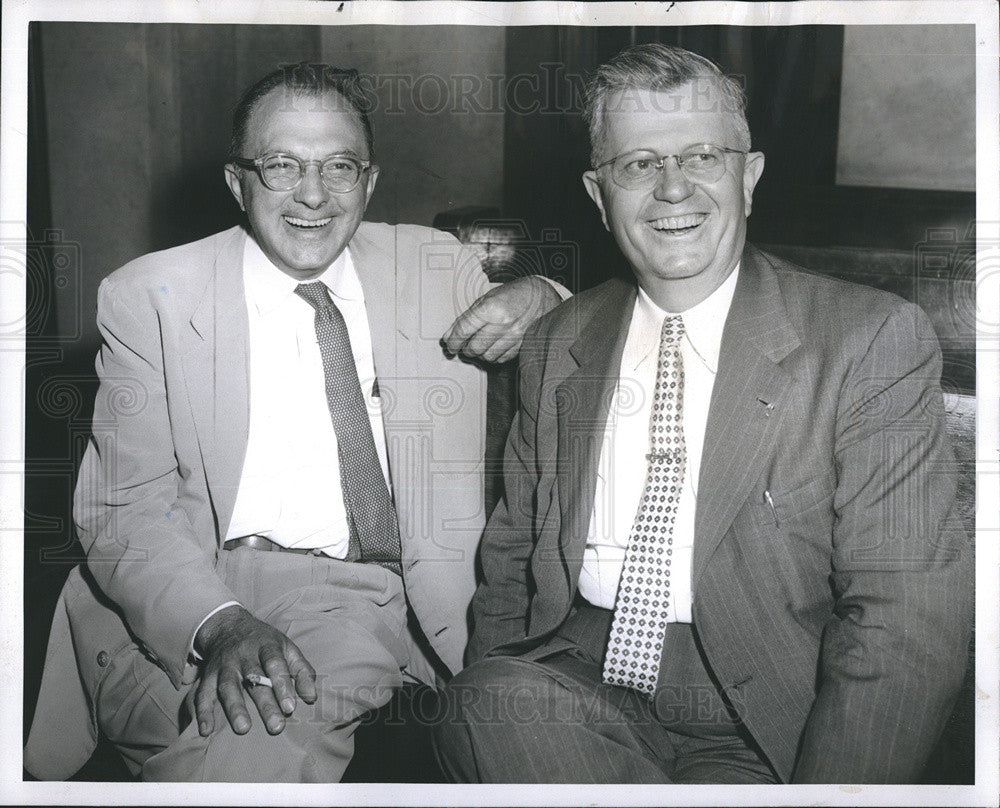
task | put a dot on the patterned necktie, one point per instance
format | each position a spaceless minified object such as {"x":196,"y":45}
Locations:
{"x":640,"y":621}
{"x":374,"y":531}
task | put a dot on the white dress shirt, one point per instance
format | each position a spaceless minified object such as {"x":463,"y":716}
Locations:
{"x":621,"y":473}
{"x":290,"y":488}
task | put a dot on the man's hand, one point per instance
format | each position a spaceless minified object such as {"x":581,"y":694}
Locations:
{"x":234,"y":643}
{"x":492,"y":328}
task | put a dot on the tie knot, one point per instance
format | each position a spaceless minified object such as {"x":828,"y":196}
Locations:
{"x":315,"y":294}
{"x":673,"y":330}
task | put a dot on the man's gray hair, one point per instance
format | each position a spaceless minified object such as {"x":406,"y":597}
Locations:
{"x":653,"y":66}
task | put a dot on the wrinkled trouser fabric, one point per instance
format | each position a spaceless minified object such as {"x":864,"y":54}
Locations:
{"x":546,"y":717}
{"x":347,"y":619}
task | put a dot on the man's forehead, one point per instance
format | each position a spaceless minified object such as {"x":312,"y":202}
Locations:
{"x":702,"y":94}
{"x":286,"y":105}
{"x":643,"y":118}
{"x":284,"y":110}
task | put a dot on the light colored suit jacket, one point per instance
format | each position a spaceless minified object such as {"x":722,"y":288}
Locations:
{"x":159,"y":480}
{"x":836,"y":623}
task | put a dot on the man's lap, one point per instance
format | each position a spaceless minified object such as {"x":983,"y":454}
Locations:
{"x":346,"y":618}
{"x":548,"y":716}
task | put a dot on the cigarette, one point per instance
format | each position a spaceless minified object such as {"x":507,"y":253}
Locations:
{"x":256,"y":680}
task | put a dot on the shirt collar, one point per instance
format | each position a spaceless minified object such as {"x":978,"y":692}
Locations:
{"x":703,"y":322}
{"x":267,"y":287}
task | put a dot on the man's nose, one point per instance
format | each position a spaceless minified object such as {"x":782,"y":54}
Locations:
{"x":672,"y":185}
{"x":311,"y":191}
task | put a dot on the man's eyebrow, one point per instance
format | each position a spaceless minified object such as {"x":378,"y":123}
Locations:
{"x":292,"y":153}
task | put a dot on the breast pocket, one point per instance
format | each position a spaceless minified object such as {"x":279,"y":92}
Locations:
{"x":791,"y":531}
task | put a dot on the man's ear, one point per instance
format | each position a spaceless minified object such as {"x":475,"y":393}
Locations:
{"x":593,"y":186}
{"x":233,"y":181}
{"x":753,"y":167}
{"x":370,"y":185}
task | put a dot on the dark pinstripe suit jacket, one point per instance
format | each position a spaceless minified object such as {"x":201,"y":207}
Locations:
{"x":838,"y":621}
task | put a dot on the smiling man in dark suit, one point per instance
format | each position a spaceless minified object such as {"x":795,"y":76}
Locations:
{"x":727,"y":552}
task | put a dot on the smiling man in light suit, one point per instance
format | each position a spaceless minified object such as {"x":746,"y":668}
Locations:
{"x":727,"y":552}
{"x":285,"y":461}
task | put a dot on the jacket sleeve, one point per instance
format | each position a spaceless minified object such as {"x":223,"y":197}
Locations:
{"x":140,"y":546}
{"x":893,"y":653}
{"x":501,"y":602}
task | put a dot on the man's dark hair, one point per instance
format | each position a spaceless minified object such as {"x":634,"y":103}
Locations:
{"x":305,"y":79}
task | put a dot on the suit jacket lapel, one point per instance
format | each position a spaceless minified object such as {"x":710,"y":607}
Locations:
{"x":376,"y":269}
{"x":746,"y":402}
{"x":582,"y":403}
{"x":216,"y":361}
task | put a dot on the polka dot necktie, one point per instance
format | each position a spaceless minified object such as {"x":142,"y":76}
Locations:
{"x":640,"y":621}
{"x":374,"y":531}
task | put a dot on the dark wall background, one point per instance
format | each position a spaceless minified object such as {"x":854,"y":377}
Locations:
{"x":128,"y":126}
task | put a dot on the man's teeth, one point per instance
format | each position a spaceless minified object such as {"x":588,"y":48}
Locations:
{"x":678,"y":222}
{"x":307,"y":223}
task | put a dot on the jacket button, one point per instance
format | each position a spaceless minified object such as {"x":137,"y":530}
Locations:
{"x":103,"y":659}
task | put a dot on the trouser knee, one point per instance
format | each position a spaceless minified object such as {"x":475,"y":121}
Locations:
{"x":500,"y":712}
{"x":470,"y":701}
{"x":499,"y":691}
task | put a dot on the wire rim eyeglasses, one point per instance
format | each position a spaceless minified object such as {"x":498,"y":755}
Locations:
{"x":639,"y":169}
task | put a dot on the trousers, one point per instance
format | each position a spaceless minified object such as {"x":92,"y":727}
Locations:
{"x":547,"y":717}
{"x":348,"y":620}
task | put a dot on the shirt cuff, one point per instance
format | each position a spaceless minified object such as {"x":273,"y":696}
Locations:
{"x":562,"y":291}
{"x":191,"y":652}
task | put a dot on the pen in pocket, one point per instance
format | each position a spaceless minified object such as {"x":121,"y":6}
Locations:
{"x":770,"y":501}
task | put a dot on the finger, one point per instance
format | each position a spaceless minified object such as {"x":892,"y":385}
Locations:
{"x":281,"y":678}
{"x":448,"y":337}
{"x":230,"y":691}
{"x":504,"y":347}
{"x":263,"y":699}
{"x":204,"y":705}
{"x":458,"y":335}
{"x":303,"y":673}
{"x":509,"y":354}
{"x":465,"y":326}
{"x":479,"y":345}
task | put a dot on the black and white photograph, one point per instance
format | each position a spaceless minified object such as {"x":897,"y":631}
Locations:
{"x":451,"y":403}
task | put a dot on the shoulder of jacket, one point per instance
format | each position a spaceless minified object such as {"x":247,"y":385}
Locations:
{"x":182,"y":264}
{"x":824,"y":304}
{"x":582,"y":306}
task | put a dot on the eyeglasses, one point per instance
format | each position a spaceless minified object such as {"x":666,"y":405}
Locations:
{"x":704,"y":162}
{"x":282,"y":172}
